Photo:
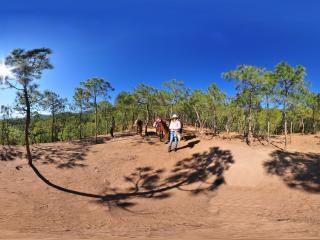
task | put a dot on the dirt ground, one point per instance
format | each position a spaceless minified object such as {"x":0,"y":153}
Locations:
{"x":208,"y":189}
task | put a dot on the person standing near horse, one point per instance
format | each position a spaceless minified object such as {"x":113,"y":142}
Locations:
{"x":175,"y":128}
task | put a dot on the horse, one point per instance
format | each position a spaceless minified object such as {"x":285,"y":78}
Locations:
{"x":161,"y":128}
{"x":139,"y":124}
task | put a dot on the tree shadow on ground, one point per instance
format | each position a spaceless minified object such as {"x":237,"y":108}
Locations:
{"x":200,"y":173}
{"x":10,"y":153}
{"x":297,"y":170}
{"x":64,"y":156}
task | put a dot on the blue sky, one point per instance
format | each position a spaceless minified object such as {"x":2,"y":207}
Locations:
{"x":128,"y":42}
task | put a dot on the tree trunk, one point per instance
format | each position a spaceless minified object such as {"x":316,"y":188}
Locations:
{"x":268,"y":134}
{"x":313,"y":121}
{"x":285,"y":121}
{"x":52,"y":127}
{"x":96,"y":119}
{"x":249,"y":135}
{"x":302,"y":124}
{"x":268,"y":120}
{"x":198,"y":117}
{"x":27,"y":125}
{"x":291,"y":130}
{"x":147,"y":121}
{"x":80,"y":125}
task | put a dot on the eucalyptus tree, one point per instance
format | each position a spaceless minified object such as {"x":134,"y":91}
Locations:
{"x":79,"y":100}
{"x":217,"y":99}
{"x":94,"y":88}
{"x":249,"y":82}
{"x":290,"y":84}
{"x":27,"y":66}
{"x":55,"y":104}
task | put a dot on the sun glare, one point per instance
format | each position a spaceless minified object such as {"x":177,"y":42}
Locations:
{"x":5,"y":71}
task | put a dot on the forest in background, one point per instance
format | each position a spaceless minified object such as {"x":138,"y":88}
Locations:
{"x":267,"y":102}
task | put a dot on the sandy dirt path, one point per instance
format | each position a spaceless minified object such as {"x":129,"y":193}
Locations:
{"x":205,"y":190}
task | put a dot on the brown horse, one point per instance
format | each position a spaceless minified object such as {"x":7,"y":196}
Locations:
{"x":161,"y":129}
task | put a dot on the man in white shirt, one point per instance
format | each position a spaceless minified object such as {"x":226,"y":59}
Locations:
{"x":175,"y":127}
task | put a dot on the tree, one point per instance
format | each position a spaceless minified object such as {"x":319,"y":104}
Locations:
{"x":145,"y":97}
{"x":217,"y":98}
{"x":290,"y":83}
{"x":79,"y":99}
{"x":6,"y":112}
{"x":249,"y":82}
{"x":105,"y":108}
{"x":199,"y":102}
{"x":27,"y":66}
{"x":313,"y":102}
{"x":177,"y":92}
{"x":55,"y":104}
{"x":95,"y":87}
{"x":126,"y":102}
{"x":268,"y":91}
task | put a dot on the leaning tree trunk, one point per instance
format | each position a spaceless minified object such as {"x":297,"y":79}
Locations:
{"x":27,"y":125}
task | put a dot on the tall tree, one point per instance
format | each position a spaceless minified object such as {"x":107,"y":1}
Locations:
{"x":199,"y":101}
{"x":105,"y":109}
{"x":268,"y":91}
{"x":27,"y":66}
{"x":217,"y":98}
{"x":249,"y":81}
{"x":79,"y":99}
{"x":94,"y":88}
{"x":6,"y":112}
{"x":55,"y":104}
{"x":145,"y":96}
{"x":126,"y":103}
{"x":177,"y":91}
{"x":290,"y":83}
{"x":313,"y":102}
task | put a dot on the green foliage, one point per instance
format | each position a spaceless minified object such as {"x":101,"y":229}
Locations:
{"x":256,"y":105}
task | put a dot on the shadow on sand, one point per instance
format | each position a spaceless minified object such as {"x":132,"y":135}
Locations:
{"x":65,"y":156}
{"x":297,"y":170}
{"x":9,"y":153}
{"x":200,"y":173}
